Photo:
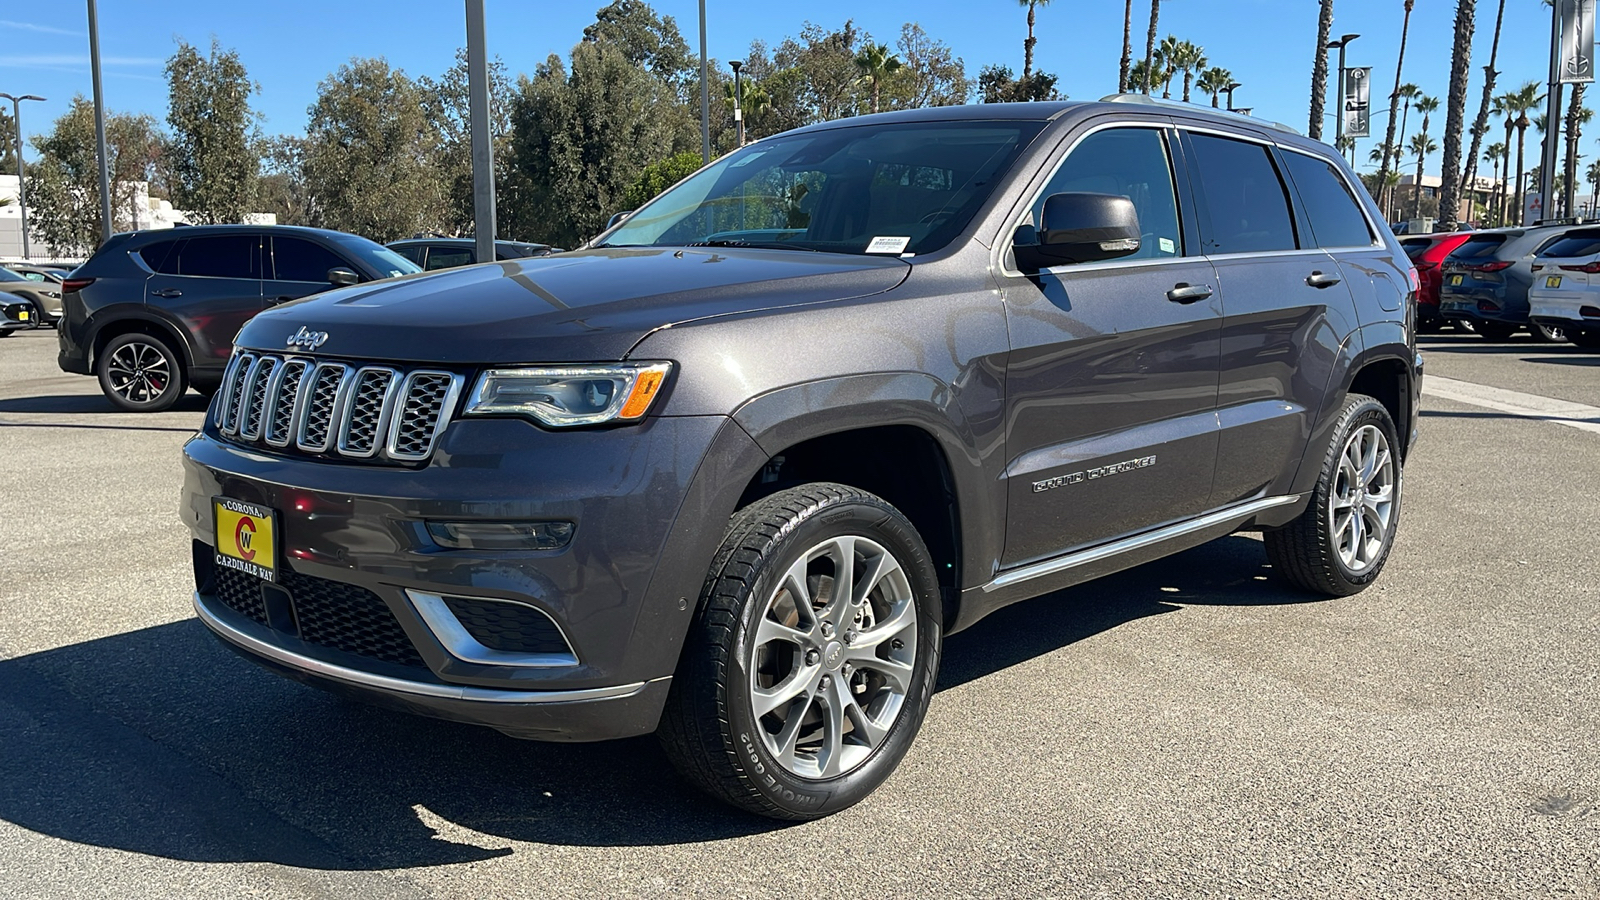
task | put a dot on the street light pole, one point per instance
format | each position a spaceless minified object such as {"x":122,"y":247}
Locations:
{"x":705,"y":92}
{"x":22,"y":188}
{"x":1232,"y":85}
{"x":1552,"y":125}
{"x":483,"y":224}
{"x":100,"y":125}
{"x":738,"y":112}
{"x":1338,"y":125}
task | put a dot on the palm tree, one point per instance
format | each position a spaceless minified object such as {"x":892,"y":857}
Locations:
{"x":1594,"y":182}
{"x":1519,"y":101}
{"x":753,"y":101}
{"x":1214,"y":81}
{"x":1378,"y":154}
{"x":1150,"y":46}
{"x":1407,"y":93}
{"x":1480,"y":126}
{"x":1394,"y":100}
{"x":1427,"y":106}
{"x":1192,"y":60}
{"x":1421,"y":145}
{"x":1492,"y":155}
{"x":1346,"y":146}
{"x":1142,"y":77}
{"x":1027,"y":45}
{"x":1127,"y":47}
{"x":1167,"y":58}
{"x":1502,"y":107}
{"x":877,"y":63}
{"x":1389,"y":186}
{"x":1456,"y":112}
{"x":1319,"y":70}
{"x":1577,"y":117}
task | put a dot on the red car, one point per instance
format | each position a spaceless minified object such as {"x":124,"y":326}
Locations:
{"x":1427,"y":251}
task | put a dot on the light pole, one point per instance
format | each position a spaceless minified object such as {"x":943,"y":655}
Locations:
{"x":705,"y":92}
{"x":1232,"y":86}
{"x":738,"y":113}
{"x":100,"y":126}
{"x":1338,"y":127}
{"x":483,"y":224}
{"x":22,"y":191}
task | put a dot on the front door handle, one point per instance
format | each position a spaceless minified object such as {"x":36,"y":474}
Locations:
{"x":284,"y":299}
{"x":1319,"y":280}
{"x":1190,"y":293}
{"x":168,"y":293}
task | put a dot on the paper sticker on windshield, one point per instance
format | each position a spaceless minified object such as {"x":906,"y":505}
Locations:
{"x":888,"y":245}
{"x":1167,"y":246}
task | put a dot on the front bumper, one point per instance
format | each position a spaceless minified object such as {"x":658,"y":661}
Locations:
{"x":620,"y":594}
{"x":17,"y":316}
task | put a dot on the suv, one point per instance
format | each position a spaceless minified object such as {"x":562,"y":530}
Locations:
{"x":1486,"y":280}
{"x":1428,"y":254}
{"x":1565,"y":296}
{"x":154,"y":312}
{"x":734,"y":470}
{"x":447,"y":253}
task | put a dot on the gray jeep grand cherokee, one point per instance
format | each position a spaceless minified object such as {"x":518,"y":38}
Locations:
{"x":733,"y":471}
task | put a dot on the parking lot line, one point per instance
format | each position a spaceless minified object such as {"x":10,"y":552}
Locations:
{"x":1516,"y":403}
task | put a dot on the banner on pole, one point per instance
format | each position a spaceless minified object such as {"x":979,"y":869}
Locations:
{"x":1577,"y":41}
{"x":1357,"y":101}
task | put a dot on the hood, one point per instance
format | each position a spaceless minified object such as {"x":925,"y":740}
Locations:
{"x":589,"y":305}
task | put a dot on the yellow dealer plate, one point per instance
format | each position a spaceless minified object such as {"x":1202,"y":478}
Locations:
{"x":22,"y":315}
{"x":1455,"y":280}
{"x":247,"y":537}
{"x":1552,"y":281}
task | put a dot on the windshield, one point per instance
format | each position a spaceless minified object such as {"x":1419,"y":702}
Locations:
{"x":889,"y":189}
{"x":386,"y":261}
{"x":8,"y":275}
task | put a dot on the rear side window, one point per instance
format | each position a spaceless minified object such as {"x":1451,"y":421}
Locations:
{"x":1336,"y":217}
{"x":1479,"y":246}
{"x":1132,"y":163}
{"x":1246,"y":206}
{"x":160,"y":256}
{"x":1574,"y":243}
{"x":1415,"y":247}
{"x":447,"y":258}
{"x":295,"y":259}
{"x":412,"y":252}
{"x":224,"y":256}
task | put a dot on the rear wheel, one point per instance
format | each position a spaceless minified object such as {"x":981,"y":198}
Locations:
{"x":812,"y":656}
{"x":140,"y":373}
{"x":1494,"y":331}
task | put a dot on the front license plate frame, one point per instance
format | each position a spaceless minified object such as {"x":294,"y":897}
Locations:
{"x":238,"y":529}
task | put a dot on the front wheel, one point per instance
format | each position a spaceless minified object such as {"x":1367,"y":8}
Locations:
{"x":140,"y":373}
{"x":1339,"y":544}
{"x":812,"y":656}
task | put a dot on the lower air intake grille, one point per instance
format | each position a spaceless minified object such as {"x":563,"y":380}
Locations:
{"x":510,"y":627}
{"x":329,"y":614}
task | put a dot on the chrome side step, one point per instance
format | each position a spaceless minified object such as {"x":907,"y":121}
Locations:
{"x":1137,"y":542}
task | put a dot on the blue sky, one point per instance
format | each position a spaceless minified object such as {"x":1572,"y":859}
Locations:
{"x":290,"y":45}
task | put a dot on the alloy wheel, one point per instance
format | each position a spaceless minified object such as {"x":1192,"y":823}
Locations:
{"x":832,"y":657}
{"x":1361,"y":504}
{"x":139,"y":372}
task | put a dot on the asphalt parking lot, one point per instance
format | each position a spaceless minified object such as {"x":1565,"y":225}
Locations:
{"x":1186,"y":729}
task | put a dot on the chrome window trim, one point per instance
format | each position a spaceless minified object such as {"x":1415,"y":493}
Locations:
{"x":458,"y":642}
{"x":1240,"y":512}
{"x":447,"y":406}
{"x":347,"y":414}
{"x":371,"y":681}
{"x":333,"y":412}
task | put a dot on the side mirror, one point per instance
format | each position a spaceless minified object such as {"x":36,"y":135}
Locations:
{"x":339,"y":276}
{"x":1079,"y":228}
{"x":616,"y":218}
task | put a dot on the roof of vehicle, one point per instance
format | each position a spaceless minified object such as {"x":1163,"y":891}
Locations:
{"x":197,"y":230}
{"x":462,"y":242}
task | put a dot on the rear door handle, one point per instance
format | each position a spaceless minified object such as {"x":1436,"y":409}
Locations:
{"x":1190,"y":293}
{"x":1319,"y":280}
{"x":168,"y":293}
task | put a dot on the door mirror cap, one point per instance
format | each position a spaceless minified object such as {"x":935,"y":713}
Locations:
{"x":616,"y":218}
{"x":1080,"y":228}
{"x":339,"y":276}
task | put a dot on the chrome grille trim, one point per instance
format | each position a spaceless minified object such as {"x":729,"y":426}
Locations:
{"x":332,"y":408}
{"x":368,"y":404}
{"x":421,"y":413}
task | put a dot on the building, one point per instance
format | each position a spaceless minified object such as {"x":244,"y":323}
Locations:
{"x":1474,"y":203}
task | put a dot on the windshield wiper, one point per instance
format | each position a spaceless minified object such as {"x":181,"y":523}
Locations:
{"x":754,"y":245}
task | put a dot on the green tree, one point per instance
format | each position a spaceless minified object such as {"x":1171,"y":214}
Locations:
{"x":8,"y":144}
{"x":212,"y":159}
{"x":1027,"y":45}
{"x":995,"y":85}
{"x":1455,"y":113}
{"x":448,"y":105}
{"x":283,"y":190}
{"x":1390,"y":145}
{"x":1421,"y":146}
{"x":1518,"y":103}
{"x":64,"y":182}
{"x":650,"y":41}
{"x":1150,"y":47}
{"x":1214,"y":82}
{"x":876,"y":63}
{"x":369,"y":153}
{"x":580,"y":138}
{"x":1191,"y":59}
{"x":932,"y":75}
{"x":1168,"y":56}
{"x":659,"y":176}
{"x":1123,"y":85}
{"x":1480,"y":125}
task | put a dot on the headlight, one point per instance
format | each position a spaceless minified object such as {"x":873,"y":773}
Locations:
{"x":564,"y":396}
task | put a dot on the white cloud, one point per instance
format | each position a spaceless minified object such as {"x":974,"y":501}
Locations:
{"x":42,"y":29}
{"x":77,"y":60}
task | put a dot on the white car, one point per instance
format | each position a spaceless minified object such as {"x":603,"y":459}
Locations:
{"x":1566,"y":287}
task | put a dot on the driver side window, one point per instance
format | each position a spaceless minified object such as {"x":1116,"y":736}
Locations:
{"x":1127,"y":162}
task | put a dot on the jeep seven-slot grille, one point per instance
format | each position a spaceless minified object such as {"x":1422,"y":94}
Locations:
{"x":340,"y":409}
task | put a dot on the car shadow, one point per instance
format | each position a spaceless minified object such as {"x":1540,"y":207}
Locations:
{"x":79,"y":404}
{"x":1592,"y":359}
{"x":162,"y":742}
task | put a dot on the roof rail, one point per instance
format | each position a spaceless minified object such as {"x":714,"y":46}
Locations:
{"x":1192,"y":107}
{"x":1566,"y":220}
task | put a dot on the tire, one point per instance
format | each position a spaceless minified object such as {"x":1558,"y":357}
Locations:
{"x":6,"y":332}
{"x":1494,"y":331}
{"x":1547,"y":334}
{"x":140,"y":373}
{"x":1430,"y":326}
{"x":1311,"y":552}
{"x":751,"y":643}
{"x":1589,"y":340}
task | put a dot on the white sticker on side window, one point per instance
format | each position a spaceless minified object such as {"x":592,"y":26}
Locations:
{"x":1167,"y":246}
{"x":888,"y":245}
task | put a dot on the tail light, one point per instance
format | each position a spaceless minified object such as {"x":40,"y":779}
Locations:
{"x":1591,"y":268}
{"x":68,"y":285}
{"x":1495,"y":266}
{"x":1416,"y":280}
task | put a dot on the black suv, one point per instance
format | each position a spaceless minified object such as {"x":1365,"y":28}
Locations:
{"x":447,"y":253}
{"x":734,"y":470}
{"x":155,"y":312}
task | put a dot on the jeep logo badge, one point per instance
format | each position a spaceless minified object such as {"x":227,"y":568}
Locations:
{"x":307,"y":340}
